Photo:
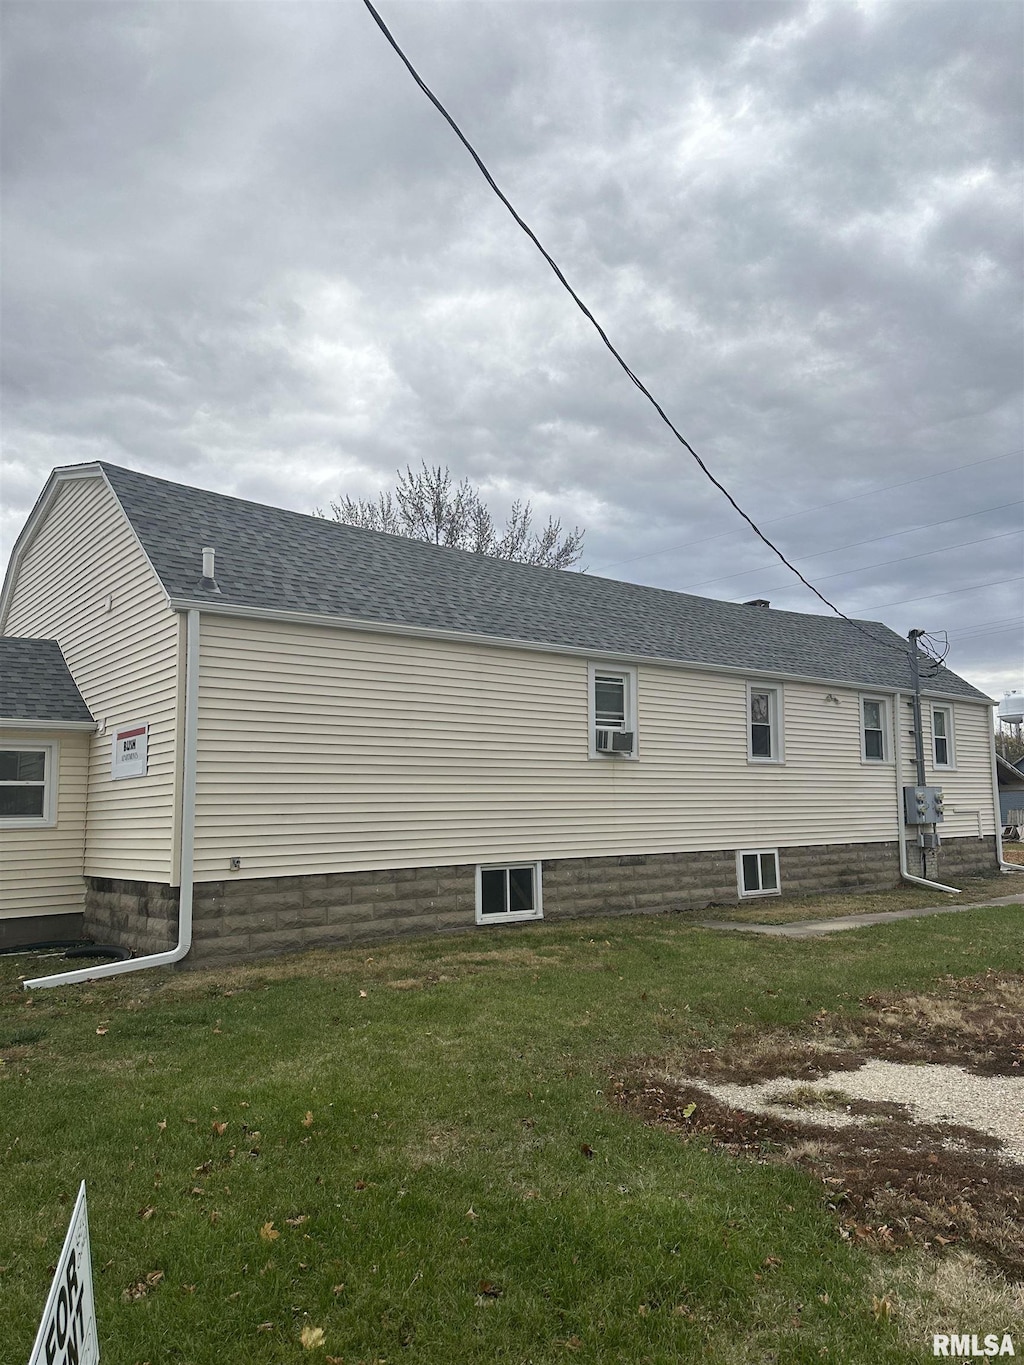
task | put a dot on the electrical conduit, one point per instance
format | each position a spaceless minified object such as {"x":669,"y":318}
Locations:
{"x":905,"y":872}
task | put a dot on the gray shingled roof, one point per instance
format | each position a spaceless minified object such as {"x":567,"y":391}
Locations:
{"x":289,"y":562}
{"x":35,"y":683}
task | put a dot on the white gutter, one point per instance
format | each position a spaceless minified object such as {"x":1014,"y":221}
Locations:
{"x":311,"y":618}
{"x":188,"y":825}
{"x":1003,"y":867}
{"x":905,"y":872}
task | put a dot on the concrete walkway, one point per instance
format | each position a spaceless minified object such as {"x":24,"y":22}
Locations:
{"x":814,"y":928}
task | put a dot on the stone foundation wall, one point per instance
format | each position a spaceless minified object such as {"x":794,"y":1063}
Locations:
{"x":262,"y":917}
{"x":142,"y":916}
{"x":246,"y":919}
{"x":956,"y":858}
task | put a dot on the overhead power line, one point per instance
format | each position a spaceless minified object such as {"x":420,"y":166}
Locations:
{"x":806,"y":512}
{"x":630,"y":374}
{"x":951,"y":592}
{"x":854,"y":544}
{"x":903,"y":559}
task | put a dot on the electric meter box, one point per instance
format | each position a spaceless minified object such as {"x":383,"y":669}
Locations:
{"x":923,"y":805}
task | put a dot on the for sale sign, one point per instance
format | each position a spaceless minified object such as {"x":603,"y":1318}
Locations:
{"x":129,"y":754}
{"x":67,"y":1333}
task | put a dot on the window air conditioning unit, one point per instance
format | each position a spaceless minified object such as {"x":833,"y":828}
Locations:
{"x":614,"y":742}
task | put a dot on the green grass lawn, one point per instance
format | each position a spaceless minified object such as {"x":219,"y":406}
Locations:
{"x":410,"y":1148}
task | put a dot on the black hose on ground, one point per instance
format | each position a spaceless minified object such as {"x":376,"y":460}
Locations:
{"x":73,"y":948}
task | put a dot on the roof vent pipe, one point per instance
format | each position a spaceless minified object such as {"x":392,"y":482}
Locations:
{"x":209,"y":579}
{"x":757,"y":602}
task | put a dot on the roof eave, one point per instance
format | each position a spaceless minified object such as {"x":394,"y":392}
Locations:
{"x":21,"y":723}
{"x":221,"y":608}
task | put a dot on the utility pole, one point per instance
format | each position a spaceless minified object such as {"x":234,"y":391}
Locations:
{"x":915,"y":673}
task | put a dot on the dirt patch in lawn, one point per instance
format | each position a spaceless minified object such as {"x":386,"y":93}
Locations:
{"x":974,"y":1022}
{"x":892,"y":1180}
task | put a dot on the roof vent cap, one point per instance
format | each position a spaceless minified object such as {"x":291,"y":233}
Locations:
{"x":757,"y":602}
{"x":209,"y":578}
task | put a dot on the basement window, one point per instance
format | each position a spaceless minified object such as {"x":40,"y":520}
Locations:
{"x":757,"y":871}
{"x":508,"y":892}
{"x":27,"y":783}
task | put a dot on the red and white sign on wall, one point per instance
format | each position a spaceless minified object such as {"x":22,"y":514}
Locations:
{"x":67,"y":1333}
{"x":129,"y":754}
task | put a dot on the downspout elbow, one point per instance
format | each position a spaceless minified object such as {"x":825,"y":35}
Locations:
{"x":188,"y":807}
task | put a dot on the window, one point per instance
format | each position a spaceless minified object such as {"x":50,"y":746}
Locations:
{"x":874,"y":730}
{"x":612,"y":707}
{"x":942,"y":736}
{"x":27,"y":774}
{"x":508,"y":893}
{"x":764,"y":731}
{"x":757,"y":871}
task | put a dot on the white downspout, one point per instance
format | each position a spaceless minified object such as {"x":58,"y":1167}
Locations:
{"x":188,"y":825}
{"x":1003,"y":867}
{"x":905,"y":873}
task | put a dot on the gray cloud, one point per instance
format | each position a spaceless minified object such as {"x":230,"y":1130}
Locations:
{"x":240,"y":249}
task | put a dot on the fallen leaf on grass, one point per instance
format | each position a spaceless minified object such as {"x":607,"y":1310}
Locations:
{"x":147,"y":1213}
{"x":102,"y":1030}
{"x":268,"y":1233}
{"x":362,"y":995}
{"x":298,"y":1220}
{"x":587,"y":1150}
{"x":312,"y":1338}
{"x":142,"y":1286}
{"x":265,"y":1327}
{"x":472,"y":1214}
{"x":489,"y":1289}
{"x":307,"y":1122}
{"x":335,"y":1360}
{"x":162,"y":1125}
{"x":219,"y":1128}
{"x":337,"y":1288}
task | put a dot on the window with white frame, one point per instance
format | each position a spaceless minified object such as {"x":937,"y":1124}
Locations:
{"x":27,"y":775}
{"x":612,"y":711}
{"x":942,"y":737}
{"x":757,"y":871}
{"x":509,"y":891}
{"x":874,"y":730}
{"x":764,"y":723}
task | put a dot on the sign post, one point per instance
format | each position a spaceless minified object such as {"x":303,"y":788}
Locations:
{"x":67,"y":1333}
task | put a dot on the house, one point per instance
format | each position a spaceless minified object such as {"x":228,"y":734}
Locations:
{"x":306,"y":733}
{"x":1011,"y":791}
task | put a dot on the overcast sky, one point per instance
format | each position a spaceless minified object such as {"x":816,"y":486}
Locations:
{"x":241,"y":250}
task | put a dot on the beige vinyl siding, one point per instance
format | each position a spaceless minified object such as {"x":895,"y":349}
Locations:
{"x":325,"y":749}
{"x":967,"y":787}
{"x":968,"y":802}
{"x":41,"y":867}
{"x":124,"y":661}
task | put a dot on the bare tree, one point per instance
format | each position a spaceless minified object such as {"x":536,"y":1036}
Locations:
{"x":427,"y":505}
